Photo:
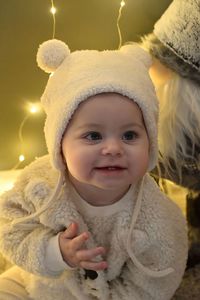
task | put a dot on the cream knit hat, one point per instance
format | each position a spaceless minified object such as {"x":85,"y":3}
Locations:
{"x":81,"y":74}
{"x":176,"y":38}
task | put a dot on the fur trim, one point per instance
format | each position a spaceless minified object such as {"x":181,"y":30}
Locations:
{"x":179,"y":30}
{"x":169,"y":58}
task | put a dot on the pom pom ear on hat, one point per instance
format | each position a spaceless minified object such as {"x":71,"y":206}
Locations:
{"x":51,"y":54}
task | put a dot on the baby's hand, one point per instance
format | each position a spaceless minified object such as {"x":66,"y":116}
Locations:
{"x":74,"y":253}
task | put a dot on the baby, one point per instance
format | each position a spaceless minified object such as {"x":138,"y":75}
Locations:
{"x":86,"y":221}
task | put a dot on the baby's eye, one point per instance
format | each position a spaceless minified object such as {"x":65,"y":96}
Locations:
{"x":93,"y":136}
{"x":129,"y":135}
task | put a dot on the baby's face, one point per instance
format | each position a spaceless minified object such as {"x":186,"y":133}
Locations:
{"x":106,"y":143}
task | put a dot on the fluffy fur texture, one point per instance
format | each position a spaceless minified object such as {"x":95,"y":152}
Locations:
{"x":158,"y":241}
{"x":169,"y":58}
{"x":179,"y":30}
{"x":86,"y":73}
{"x":51,"y":54}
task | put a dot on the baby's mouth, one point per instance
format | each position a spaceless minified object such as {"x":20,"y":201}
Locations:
{"x":111,"y":168}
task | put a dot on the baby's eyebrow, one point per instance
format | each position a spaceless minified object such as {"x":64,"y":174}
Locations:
{"x":98,"y":126}
{"x":133,"y":124}
{"x":89,"y":125}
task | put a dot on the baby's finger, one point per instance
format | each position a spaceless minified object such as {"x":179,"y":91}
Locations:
{"x":78,"y":242}
{"x":95,"y":266}
{"x":89,"y":254}
{"x":71,"y":232}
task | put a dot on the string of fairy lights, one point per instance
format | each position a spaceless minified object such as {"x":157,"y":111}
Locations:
{"x":122,"y":4}
{"x":35,"y":108}
{"x":32,"y":108}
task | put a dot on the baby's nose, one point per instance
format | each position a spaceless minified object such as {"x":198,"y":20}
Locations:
{"x":112,"y":147}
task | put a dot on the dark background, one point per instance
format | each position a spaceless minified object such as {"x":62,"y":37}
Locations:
{"x":82,"y":24}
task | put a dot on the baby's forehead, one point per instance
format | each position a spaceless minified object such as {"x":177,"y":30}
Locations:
{"x":106,"y":98}
{"x":110,"y":100}
{"x":107,"y":108}
{"x":108,"y":95}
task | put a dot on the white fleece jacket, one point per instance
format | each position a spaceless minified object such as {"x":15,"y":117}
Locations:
{"x":147,"y":241}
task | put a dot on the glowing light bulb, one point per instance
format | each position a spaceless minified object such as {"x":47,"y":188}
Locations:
{"x":53,"y":10}
{"x":21,"y":157}
{"x":122,"y":3}
{"x":33,"y":108}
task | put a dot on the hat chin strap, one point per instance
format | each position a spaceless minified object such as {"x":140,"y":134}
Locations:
{"x":137,"y":263}
{"x":21,"y":221}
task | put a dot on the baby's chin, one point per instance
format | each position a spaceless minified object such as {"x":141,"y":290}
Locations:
{"x":115,"y":188}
